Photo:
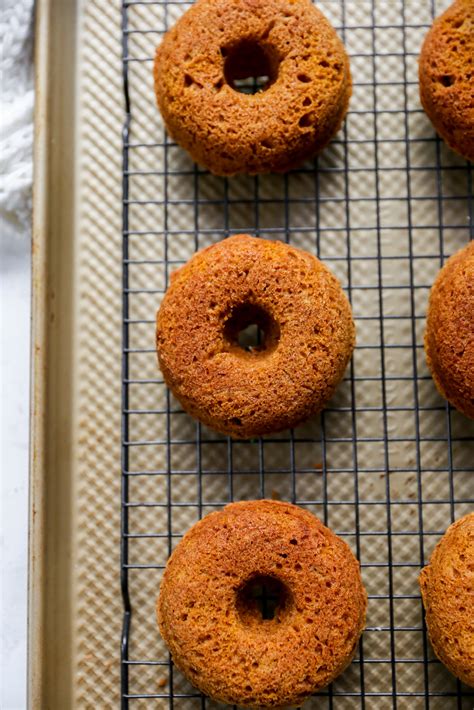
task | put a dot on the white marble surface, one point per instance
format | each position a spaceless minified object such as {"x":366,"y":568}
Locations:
{"x":14,"y":433}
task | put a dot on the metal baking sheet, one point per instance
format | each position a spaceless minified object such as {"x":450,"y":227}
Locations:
{"x":388,"y":465}
{"x":75,"y":606}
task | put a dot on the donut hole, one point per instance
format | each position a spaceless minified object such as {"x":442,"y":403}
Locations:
{"x":249,"y":66}
{"x":251,"y":338}
{"x":251,"y":329}
{"x":261,"y":599}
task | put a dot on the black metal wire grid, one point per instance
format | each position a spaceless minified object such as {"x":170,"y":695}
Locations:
{"x":389,"y":464}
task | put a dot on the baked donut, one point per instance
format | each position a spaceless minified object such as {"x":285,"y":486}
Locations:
{"x":261,"y":605}
{"x":446,"y":73}
{"x":215,"y":44}
{"x":297,"y":303}
{"x":447,"y":589}
{"x":449,"y":335}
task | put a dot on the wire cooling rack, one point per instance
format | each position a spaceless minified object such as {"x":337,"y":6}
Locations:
{"x":388,"y":465}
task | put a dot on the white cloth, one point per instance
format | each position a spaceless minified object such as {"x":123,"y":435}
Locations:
{"x":16,"y":113}
{"x":16,"y":143}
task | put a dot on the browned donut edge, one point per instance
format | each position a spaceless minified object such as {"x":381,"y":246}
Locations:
{"x":447,"y":579}
{"x":450,"y":353}
{"x":446,"y":77}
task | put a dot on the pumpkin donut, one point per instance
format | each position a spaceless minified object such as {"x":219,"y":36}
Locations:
{"x":446,"y":72}
{"x":449,"y":336}
{"x":297,"y":303}
{"x":218,"y":42}
{"x":261,"y":605}
{"x":447,"y":589}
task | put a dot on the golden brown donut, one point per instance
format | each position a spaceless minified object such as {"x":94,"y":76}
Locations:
{"x":297,"y":302}
{"x":210,"y":618}
{"x":449,"y":335}
{"x":218,"y":42}
{"x":446,"y":73}
{"x":447,"y":588}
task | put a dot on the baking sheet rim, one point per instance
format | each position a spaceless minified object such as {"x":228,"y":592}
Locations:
{"x":52,"y":34}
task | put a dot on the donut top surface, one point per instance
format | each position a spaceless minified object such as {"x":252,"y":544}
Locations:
{"x":215,"y":44}
{"x":297,"y":302}
{"x":447,"y":76}
{"x":447,"y":587}
{"x":210,"y":617}
{"x":449,"y":337}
